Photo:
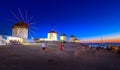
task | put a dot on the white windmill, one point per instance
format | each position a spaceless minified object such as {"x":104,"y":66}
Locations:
{"x":22,"y":27}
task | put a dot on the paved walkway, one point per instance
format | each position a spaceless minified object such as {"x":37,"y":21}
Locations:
{"x":79,"y":58}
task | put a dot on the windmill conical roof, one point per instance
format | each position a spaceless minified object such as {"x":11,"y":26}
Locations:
{"x":72,"y":36}
{"x":76,"y":39}
{"x":52,"y":31}
{"x":20,"y":25}
{"x":63,"y":35}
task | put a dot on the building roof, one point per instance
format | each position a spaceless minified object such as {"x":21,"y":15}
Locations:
{"x":76,"y":39}
{"x":20,"y":25}
{"x":72,"y":36}
{"x":52,"y":31}
{"x":63,"y":35}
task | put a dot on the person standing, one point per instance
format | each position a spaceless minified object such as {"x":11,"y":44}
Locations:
{"x":61,"y":46}
{"x":44,"y":45}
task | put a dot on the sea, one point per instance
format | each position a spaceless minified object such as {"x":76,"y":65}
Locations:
{"x":102,"y":45}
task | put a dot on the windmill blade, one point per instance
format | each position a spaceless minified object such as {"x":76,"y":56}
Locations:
{"x":15,"y":16}
{"x":12,"y":20}
{"x":34,"y":27}
{"x":32,"y":31}
{"x":21,"y":14}
{"x":20,"y":32}
{"x":30,"y":19}
{"x":32,"y":23}
{"x":26,"y":16}
{"x":30,"y":34}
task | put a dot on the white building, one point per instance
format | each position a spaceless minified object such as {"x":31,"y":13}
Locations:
{"x":1,"y":41}
{"x":63,"y":38}
{"x":52,"y":35}
{"x":45,"y":39}
{"x":7,"y":39}
{"x":72,"y":38}
{"x":77,"y":40}
{"x":20,"y":29}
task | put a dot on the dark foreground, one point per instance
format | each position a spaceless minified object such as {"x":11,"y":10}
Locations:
{"x":34,"y":58}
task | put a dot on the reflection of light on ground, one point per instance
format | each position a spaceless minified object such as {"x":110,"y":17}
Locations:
{"x":105,"y":38}
{"x":32,"y":44}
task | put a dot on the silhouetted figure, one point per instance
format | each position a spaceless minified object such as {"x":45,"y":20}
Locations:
{"x":44,"y":45}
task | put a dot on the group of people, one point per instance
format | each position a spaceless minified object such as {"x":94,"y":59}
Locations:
{"x":44,"y":45}
{"x":14,"y":42}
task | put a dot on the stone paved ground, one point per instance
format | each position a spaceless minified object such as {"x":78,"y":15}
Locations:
{"x":79,"y":58}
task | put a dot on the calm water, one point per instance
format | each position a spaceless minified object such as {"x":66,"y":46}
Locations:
{"x":104,"y":45}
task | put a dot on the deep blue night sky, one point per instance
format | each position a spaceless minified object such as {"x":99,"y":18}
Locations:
{"x":82,"y":18}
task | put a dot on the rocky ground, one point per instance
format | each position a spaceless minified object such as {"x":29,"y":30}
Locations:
{"x":18,"y":57}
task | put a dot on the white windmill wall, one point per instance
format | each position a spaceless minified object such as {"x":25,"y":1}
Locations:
{"x":63,"y":38}
{"x":77,"y":41}
{"x":15,"y":32}
{"x":52,"y":36}
{"x":20,"y":32}
{"x":72,"y":39}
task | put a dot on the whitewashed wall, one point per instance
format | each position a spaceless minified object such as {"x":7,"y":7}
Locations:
{"x":20,"y":32}
{"x":63,"y":38}
{"x":52,"y":36}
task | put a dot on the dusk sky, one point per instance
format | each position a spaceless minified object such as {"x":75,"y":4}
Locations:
{"x":82,"y":18}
